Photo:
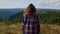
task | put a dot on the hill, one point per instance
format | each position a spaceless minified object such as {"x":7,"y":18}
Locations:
{"x":44,"y":16}
{"x":49,"y":17}
{"x":48,"y":10}
{"x":6,"y":13}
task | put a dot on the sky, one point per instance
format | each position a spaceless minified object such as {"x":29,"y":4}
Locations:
{"x":47,"y":4}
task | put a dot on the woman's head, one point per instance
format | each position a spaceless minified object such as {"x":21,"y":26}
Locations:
{"x":30,"y":9}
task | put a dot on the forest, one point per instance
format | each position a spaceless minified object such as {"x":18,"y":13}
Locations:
{"x":44,"y":17}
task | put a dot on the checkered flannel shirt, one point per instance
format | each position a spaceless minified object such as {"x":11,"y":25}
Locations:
{"x":30,"y":24}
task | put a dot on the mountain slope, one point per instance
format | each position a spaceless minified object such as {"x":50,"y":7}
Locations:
{"x":6,"y":13}
{"x":17,"y":15}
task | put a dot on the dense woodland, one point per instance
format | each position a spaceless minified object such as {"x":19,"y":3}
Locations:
{"x":49,"y":17}
{"x":44,"y":17}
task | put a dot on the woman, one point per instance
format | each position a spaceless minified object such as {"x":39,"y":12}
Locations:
{"x":30,"y":23}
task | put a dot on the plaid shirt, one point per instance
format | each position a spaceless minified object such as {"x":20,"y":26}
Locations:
{"x":30,"y":24}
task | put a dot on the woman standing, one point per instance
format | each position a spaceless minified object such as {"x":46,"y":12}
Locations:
{"x":30,"y":23}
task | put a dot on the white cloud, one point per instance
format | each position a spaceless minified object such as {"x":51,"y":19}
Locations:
{"x":9,"y":4}
{"x":48,"y":4}
{"x":24,"y":3}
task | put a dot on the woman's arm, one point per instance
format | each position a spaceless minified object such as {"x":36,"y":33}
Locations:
{"x":38,"y":23}
{"x":24,"y":19}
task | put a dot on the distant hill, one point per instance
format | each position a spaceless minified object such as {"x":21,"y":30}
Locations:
{"x":6,"y":13}
{"x":45,"y":15}
{"x":40,"y":12}
{"x":48,"y":10}
{"x":17,"y":15}
{"x":17,"y":12}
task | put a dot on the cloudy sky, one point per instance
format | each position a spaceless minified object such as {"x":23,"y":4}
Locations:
{"x":51,"y":4}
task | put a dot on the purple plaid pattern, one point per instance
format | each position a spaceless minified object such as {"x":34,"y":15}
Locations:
{"x":30,"y":24}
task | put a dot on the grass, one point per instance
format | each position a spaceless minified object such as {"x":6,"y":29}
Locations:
{"x":11,"y":29}
{"x":50,"y":29}
{"x":17,"y":29}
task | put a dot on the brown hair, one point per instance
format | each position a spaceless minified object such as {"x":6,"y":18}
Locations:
{"x":30,"y":9}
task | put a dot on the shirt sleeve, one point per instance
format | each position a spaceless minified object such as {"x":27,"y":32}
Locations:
{"x":38,"y":23}
{"x":24,"y":20}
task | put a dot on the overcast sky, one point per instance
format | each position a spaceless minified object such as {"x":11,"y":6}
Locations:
{"x":51,"y":4}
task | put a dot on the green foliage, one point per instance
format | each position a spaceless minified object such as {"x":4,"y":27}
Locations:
{"x":49,"y":17}
{"x":13,"y":21}
{"x":44,"y":17}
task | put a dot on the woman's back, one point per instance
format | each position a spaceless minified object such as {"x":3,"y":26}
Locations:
{"x":31,"y":24}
